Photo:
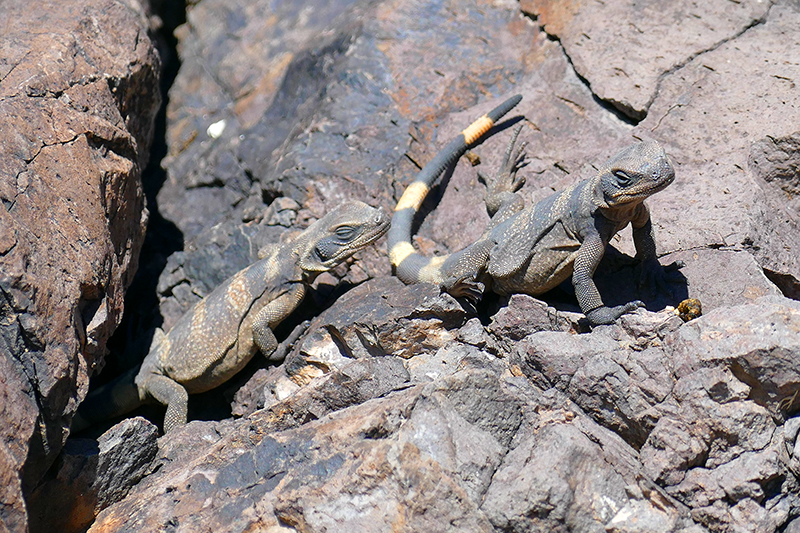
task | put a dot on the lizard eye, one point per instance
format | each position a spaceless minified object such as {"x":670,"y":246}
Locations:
{"x":622,"y":178}
{"x":345,"y":232}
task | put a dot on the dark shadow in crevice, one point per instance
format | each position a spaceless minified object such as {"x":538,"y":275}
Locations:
{"x":786,"y":283}
{"x":131,"y":341}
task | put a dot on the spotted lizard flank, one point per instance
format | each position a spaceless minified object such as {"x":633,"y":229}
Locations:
{"x":533,"y":249}
{"x":221,"y":333}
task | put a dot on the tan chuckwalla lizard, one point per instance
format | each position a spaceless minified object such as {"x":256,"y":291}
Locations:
{"x":533,"y":249}
{"x":217,"y":337}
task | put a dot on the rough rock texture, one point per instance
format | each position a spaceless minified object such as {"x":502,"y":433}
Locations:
{"x":92,"y":474}
{"x":660,"y":38}
{"x":434,"y":457}
{"x":400,"y":409}
{"x":78,"y":93}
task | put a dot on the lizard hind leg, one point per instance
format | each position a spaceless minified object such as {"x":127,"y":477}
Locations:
{"x":501,"y":190}
{"x":172,"y":394}
{"x":462,"y":270}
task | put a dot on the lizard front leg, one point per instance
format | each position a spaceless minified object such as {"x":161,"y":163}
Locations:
{"x":170,"y":393}
{"x":268,"y":318}
{"x":589,"y":255}
{"x":462,"y":270}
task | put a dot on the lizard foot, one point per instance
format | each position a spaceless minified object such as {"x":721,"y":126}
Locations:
{"x":609,"y":315}
{"x":468,"y":288}
{"x":507,"y":179}
{"x":283,"y":349}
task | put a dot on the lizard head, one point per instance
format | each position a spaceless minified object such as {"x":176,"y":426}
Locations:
{"x":635,"y":173}
{"x":339,"y":234}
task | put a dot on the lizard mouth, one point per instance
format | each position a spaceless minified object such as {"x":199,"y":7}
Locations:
{"x":643,"y":191}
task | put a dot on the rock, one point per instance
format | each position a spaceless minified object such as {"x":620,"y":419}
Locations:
{"x":793,"y":527}
{"x":774,"y":164}
{"x":523,"y":315}
{"x":661,"y":40}
{"x":449,"y":455}
{"x":380,"y":317}
{"x":596,"y":486}
{"x":79,"y":94}
{"x":721,"y":278}
{"x":700,"y":400}
{"x":400,"y":408}
{"x":92,"y":474}
{"x":293,"y":477}
{"x":698,"y":114}
{"x":757,"y":342}
{"x":377,"y":319}
{"x":353,"y":384}
{"x":617,"y":374}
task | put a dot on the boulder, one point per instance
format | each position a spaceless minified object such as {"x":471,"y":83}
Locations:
{"x":79,"y":93}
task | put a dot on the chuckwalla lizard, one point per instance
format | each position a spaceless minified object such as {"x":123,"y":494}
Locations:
{"x":217,"y":337}
{"x":533,"y":249}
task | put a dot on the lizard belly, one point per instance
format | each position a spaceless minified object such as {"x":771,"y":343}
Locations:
{"x":204,"y":347}
{"x":228,"y":366}
{"x":551,"y":262}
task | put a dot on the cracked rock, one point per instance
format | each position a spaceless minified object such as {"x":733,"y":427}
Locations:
{"x":78,"y":96}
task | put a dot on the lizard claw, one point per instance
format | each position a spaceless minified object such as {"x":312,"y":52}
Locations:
{"x":609,"y":315}
{"x":283,"y":349}
{"x":468,"y":288}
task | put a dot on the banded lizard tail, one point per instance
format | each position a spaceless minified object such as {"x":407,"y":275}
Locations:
{"x":217,"y":337}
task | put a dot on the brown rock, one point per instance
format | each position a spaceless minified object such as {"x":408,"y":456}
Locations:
{"x":361,"y":466}
{"x":674,"y":427}
{"x":379,"y":317}
{"x":78,"y":96}
{"x":774,"y":163}
{"x":723,"y":277}
{"x":709,"y":113}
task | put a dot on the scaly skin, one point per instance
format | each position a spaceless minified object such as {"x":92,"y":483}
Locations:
{"x":532,"y":250}
{"x":221,"y":333}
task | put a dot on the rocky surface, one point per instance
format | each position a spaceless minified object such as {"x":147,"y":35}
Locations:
{"x":403,"y":409}
{"x":78,"y":93}
{"x":91,"y":474}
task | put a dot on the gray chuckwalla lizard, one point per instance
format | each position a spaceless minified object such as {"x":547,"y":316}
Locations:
{"x":217,"y":337}
{"x":533,"y":249}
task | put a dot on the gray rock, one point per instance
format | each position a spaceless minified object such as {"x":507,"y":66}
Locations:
{"x":774,"y":163}
{"x":91,"y":475}
{"x":353,"y":384}
{"x":617,"y":374}
{"x":522,"y":315}
{"x":758,"y":342}
{"x":793,"y":527}
{"x":723,"y":277}
{"x":379,"y":317}
{"x":568,"y":474}
{"x":297,"y":476}
{"x":697,"y":113}
{"x":662,"y":38}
